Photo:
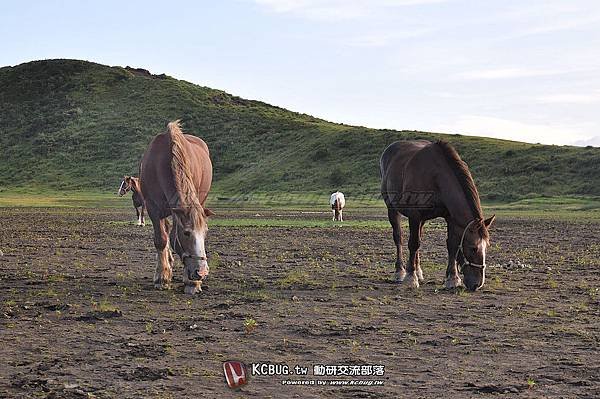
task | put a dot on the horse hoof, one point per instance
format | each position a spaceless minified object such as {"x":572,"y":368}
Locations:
{"x":162,"y":285}
{"x":400,"y":276}
{"x":411,"y":281}
{"x":452,"y":283}
{"x":420,"y":275}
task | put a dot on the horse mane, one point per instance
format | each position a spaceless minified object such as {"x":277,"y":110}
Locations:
{"x":188,"y":196}
{"x":462,"y":173}
{"x":135,"y":183}
{"x":136,"y":188}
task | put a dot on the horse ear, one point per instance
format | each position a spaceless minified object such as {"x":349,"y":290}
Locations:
{"x":208,"y":213}
{"x":488,"y":222}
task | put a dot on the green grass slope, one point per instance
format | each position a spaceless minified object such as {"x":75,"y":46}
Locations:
{"x":68,"y":124}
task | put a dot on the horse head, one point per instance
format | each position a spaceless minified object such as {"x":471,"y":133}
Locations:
{"x":187,"y":237}
{"x":471,"y":252}
{"x":125,"y":186}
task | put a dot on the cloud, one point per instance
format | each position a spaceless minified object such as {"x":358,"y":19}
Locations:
{"x":570,"y":98}
{"x":548,"y":17}
{"x":479,"y":125}
{"x":337,"y":9}
{"x":382,"y":39}
{"x":569,"y":24}
{"x":508,"y":73}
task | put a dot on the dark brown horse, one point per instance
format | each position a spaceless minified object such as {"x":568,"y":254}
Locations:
{"x":132,"y":184}
{"x":423,"y":180}
{"x":176,"y":174}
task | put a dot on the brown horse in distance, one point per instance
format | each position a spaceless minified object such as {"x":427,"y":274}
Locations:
{"x":176,"y":175}
{"x":132,"y":184}
{"x":424,"y":180}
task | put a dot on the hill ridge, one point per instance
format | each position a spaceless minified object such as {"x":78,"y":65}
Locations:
{"x":72,"y":124}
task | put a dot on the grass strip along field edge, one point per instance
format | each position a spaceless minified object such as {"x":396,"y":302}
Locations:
{"x":250,"y":206}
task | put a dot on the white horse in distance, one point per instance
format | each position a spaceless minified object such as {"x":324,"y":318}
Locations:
{"x":337,"y":202}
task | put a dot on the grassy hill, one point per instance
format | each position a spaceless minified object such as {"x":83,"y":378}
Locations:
{"x":68,"y":124}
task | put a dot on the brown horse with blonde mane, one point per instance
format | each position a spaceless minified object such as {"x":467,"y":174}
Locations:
{"x":423,"y":180}
{"x":176,"y":174}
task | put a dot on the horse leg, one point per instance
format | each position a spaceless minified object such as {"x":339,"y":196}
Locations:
{"x":170,"y":245}
{"x":139,"y":216}
{"x":452,"y":278}
{"x":394,"y":217}
{"x":142,"y":220}
{"x":341,"y":218}
{"x":418,"y":269}
{"x":414,"y":242}
{"x":164,"y":271}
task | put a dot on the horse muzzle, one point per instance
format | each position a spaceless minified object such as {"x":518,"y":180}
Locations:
{"x":199,"y":274}
{"x":196,"y":267}
{"x":473,"y":286}
{"x":474,"y":276}
{"x":194,"y":274}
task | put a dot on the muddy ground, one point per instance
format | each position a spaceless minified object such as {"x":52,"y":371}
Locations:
{"x":79,"y":316}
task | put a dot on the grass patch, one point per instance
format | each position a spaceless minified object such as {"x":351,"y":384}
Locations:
{"x":250,"y":325}
{"x":105,"y":306}
{"x":296,"y":279}
{"x":559,"y":207}
{"x":286,"y":222}
{"x":255,"y":296}
{"x":45,"y":198}
{"x":301,"y":211}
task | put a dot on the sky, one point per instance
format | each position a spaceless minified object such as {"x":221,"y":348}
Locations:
{"x":523,"y":70}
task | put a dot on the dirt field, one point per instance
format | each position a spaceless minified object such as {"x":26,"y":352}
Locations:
{"x":79,"y":316}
